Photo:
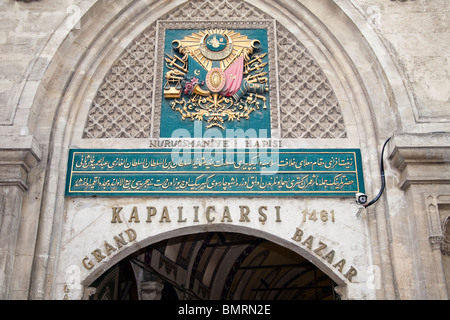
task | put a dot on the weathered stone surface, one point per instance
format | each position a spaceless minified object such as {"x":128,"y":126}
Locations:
{"x":386,"y":65}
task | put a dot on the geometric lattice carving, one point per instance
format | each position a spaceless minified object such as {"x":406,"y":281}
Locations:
{"x":122,"y":107}
{"x":308,"y":105}
{"x":216,"y":10}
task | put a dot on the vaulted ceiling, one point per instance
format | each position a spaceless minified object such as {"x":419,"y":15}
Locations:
{"x":217,"y":266}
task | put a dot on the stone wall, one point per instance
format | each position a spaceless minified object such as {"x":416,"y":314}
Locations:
{"x":418,"y":34}
{"x":388,"y":61}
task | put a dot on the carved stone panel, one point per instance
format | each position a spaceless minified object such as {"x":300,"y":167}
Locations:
{"x":438,"y":222}
{"x":308,"y":105}
{"x":305,"y":105}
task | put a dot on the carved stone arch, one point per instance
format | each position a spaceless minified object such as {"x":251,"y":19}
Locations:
{"x":305,"y":107}
{"x":83,"y":58}
{"x":338,"y":277}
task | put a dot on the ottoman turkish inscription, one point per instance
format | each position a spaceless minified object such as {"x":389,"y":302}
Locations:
{"x":215,"y":81}
{"x":204,"y":172}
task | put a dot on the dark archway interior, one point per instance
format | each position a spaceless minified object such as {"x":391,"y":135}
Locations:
{"x":214,"y":266}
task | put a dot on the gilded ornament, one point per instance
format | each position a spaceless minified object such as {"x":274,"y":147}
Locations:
{"x":216,"y":76}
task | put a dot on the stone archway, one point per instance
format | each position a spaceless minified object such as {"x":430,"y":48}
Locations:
{"x":79,"y":67}
{"x":134,"y":225}
{"x":212,"y":266}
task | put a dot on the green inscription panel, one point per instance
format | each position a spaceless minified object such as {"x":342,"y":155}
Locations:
{"x":204,"y":172}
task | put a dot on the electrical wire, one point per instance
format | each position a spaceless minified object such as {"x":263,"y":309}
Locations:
{"x":383,"y":180}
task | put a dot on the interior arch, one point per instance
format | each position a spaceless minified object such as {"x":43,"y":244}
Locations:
{"x":215,"y":265}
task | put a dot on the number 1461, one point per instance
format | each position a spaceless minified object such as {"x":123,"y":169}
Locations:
{"x":315,"y":215}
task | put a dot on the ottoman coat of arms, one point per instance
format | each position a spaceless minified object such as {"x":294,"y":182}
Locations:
{"x":216,"y":76}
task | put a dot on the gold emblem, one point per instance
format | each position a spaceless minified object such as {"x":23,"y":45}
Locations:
{"x":215,"y":80}
{"x":216,"y":76}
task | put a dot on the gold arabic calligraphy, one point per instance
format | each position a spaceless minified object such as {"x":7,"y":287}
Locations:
{"x":91,"y":162}
{"x":215,"y":182}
